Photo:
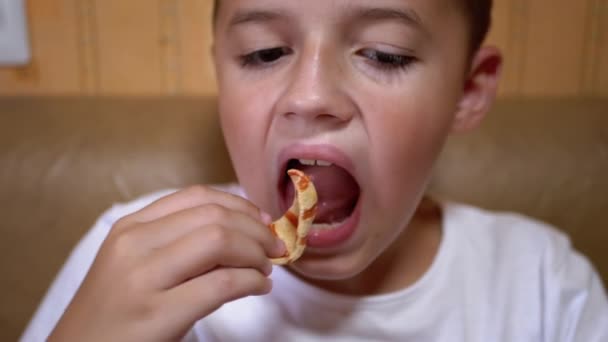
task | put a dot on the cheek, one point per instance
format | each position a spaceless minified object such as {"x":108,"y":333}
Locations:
{"x":235,"y":130}
{"x":245,"y":119}
{"x":406,"y":136}
{"x":242,"y":115}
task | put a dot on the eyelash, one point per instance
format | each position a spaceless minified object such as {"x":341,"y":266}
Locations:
{"x":382,"y":60}
{"x":256,"y":58}
{"x":387,"y":61}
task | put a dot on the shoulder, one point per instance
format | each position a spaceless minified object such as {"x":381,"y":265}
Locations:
{"x":501,"y":232}
{"x":530,"y":266}
{"x":525,"y":253}
{"x":121,"y":209}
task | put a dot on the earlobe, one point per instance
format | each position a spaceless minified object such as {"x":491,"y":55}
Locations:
{"x":480,"y":89}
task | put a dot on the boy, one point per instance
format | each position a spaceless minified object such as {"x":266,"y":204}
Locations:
{"x":360,"y":95}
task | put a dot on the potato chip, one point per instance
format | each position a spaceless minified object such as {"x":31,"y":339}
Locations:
{"x":292,"y":228}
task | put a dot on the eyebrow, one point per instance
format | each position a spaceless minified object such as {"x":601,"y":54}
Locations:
{"x":406,"y":16}
{"x":254,"y":16}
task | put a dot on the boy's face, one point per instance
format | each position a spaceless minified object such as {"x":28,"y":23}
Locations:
{"x":373,"y":87}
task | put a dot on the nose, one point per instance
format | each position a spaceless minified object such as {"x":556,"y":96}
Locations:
{"x":316,"y":88}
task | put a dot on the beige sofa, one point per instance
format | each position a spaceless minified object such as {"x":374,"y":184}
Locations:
{"x":64,"y":160}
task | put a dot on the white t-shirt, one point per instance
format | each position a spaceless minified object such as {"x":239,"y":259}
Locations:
{"x":496,"y":277}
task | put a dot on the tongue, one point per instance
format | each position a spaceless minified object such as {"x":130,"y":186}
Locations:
{"x":337,"y":192}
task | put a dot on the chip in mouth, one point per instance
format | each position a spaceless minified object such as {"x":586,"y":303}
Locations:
{"x":294,"y":225}
{"x":338,"y":191}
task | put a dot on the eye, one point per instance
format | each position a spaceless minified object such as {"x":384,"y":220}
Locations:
{"x":264,"y":57}
{"x":388,"y":61}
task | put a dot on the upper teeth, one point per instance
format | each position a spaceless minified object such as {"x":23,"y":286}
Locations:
{"x":313,"y":162}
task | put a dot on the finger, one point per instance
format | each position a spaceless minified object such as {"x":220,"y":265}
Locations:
{"x":189,"y":198}
{"x":168,"y":229}
{"x":202,"y":251}
{"x":200,"y":296}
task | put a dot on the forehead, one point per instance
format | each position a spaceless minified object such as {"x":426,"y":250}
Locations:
{"x":428,"y":10}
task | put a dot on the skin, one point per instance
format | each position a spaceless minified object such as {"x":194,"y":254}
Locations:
{"x":174,"y":262}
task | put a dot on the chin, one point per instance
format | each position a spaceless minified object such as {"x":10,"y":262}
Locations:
{"x":333,"y":268}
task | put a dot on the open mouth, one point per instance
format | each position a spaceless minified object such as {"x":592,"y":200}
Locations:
{"x":337,"y":190}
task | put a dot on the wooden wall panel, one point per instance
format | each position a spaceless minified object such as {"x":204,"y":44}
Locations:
{"x":88,"y":48}
{"x":198,"y":75}
{"x":129,"y":46}
{"x":600,"y":58}
{"x":554,"y":47}
{"x":154,"y":47}
{"x":54,"y":44}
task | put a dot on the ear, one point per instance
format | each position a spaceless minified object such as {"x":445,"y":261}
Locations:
{"x":479,"y":90}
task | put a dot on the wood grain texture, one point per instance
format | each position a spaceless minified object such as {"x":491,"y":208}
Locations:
{"x":163,"y":47}
{"x":129,"y":47}
{"x":554,"y":45}
{"x":88,"y":47}
{"x":600,"y":82}
{"x":170,"y":45}
{"x":198,"y":75}
{"x":55,"y":59}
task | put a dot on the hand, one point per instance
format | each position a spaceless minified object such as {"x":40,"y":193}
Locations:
{"x":163,"y":268}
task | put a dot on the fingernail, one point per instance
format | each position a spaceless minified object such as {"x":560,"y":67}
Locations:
{"x":265,"y":217}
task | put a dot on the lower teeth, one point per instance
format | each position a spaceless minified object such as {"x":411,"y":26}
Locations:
{"x":328,"y":226}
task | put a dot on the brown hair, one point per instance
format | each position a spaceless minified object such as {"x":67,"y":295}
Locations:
{"x":478,"y":13}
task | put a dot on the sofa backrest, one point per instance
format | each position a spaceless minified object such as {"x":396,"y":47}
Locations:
{"x":64,"y":160}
